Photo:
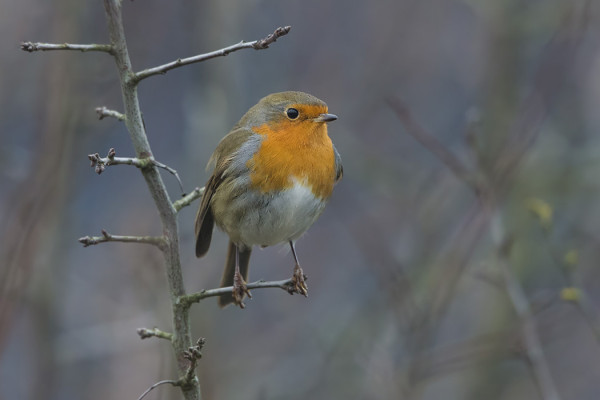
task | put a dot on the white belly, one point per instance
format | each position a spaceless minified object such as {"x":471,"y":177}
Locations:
{"x":273,"y":219}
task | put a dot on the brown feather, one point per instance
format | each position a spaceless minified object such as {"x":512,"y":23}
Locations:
{"x":222,"y":158}
{"x":205,"y":220}
{"x":227,"y":279}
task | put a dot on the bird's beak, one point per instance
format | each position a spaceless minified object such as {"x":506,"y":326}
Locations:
{"x":326,"y":118}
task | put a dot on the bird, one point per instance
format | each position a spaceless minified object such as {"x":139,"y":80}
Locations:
{"x":273,"y":174}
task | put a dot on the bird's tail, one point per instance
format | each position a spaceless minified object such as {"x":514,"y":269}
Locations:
{"x":227,"y":279}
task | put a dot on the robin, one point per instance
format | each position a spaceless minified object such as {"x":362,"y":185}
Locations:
{"x":273,"y":174}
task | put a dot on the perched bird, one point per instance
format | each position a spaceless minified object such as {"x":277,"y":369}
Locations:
{"x":273,"y":174}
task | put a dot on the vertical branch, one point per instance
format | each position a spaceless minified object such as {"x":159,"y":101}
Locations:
{"x":134,"y":122}
{"x":181,"y":340}
{"x":532,"y":343}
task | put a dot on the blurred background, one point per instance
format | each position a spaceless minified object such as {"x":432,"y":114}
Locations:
{"x":427,"y":266}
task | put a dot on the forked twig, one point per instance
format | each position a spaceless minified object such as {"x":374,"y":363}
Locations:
{"x":100,"y":163}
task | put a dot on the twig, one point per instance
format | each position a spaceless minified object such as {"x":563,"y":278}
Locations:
{"x":192,"y":298}
{"x":169,"y":170}
{"x":188,"y":199}
{"x":464,"y":241}
{"x":256,"y":44}
{"x":271,"y":38}
{"x":157,"y":384}
{"x":414,"y":129}
{"x":586,"y":308}
{"x":104,"y":112}
{"x":193,"y":354}
{"x":158,"y":241}
{"x":100,"y":163}
{"x":552,"y":72}
{"x":146,"y":333}
{"x":589,"y":314}
{"x":489,"y":278}
{"x":464,"y":354}
{"x":31,"y":47}
{"x":533,"y":346}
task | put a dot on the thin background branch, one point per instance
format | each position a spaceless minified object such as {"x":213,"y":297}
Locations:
{"x":526,"y":130}
{"x":532,"y":343}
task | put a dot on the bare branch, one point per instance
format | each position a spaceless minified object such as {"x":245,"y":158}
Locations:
{"x":491,"y":279}
{"x":180,"y":62}
{"x":31,"y":47}
{"x":146,"y":333}
{"x":430,"y":142}
{"x":193,"y":354}
{"x":190,"y":299}
{"x":104,"y":112}
{"x":188,"y":199}
{"x":465,"y":353}
{"x":271,"y":38}
{"x":169,"y":170}
{"x":101,"y":163}
{"x":533,"y":346}
{"x":589,"y":313}
{"x":181,"y":339}
{"x":552,"y":72}
{"x":158,"y":241}
{"x":157,"y":384}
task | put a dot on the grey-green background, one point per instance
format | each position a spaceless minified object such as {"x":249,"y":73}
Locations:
{"x":406,"y":296}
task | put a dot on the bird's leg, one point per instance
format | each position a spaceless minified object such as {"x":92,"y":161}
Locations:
{"x":298,"y":277}
{"x":239,"y":284}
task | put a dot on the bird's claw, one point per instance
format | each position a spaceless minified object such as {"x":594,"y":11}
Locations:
{"x":298,"y":282}
{"x":240,"y":290}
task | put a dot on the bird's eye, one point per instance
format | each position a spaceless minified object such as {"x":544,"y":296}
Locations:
{"x":292,"y":113}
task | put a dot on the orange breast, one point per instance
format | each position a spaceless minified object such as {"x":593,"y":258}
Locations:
{"x":294,"y":151}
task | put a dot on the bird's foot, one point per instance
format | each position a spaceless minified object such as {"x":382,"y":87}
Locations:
{"x":298,"y":282}
{"x":240,"y":290}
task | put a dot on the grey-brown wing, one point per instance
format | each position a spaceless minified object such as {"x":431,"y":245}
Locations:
{"x":339,"y":169}
{"x":204,"y":219}
{"x":226,"y":162}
